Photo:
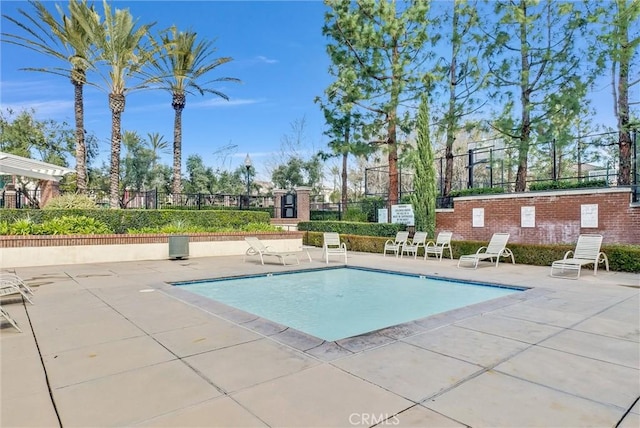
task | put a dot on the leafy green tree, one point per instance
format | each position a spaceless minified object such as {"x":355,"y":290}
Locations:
{"x":289,"y":175}
{"x":233,"y":182}
{"x":424,"y":196}
{"x":123,"y":48}
{"x":46,"y":140}
{"x":344,"y":140}
{"x":532,"y":53}
{"x":183,"y":63}
{"x":136,"y":172}
{"x":377,"y":49}
{"x":200,"y":178}
{"x":68,"y":42}
{"x":49,"y":141}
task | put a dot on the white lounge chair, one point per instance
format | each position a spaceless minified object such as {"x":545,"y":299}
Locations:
{"x":9,"y":287}
{"x":4,"y":314}
{"x":332,"y":246}
{"x":13,"y":278}
{"x":497,"y":248}
{"x":587,"y":252}
{"x":443,"y":242}
{"x":396,"y":244}
{"x":257,"y":248}
{"x":412,"y":245}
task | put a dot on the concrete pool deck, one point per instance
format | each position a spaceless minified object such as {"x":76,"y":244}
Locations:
{"x":113,"y":345}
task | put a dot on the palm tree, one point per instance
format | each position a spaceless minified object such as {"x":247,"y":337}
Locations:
{"x":158,"y":145}
{"x":182,"y":65}
{"x":122,"y":48}
{"x":65,"y":40}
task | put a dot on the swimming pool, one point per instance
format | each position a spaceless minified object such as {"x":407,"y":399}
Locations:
{"x":337,"y":303}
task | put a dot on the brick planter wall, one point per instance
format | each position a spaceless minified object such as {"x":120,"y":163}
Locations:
{"x":19,"y":251}
{"x":557,"y":216}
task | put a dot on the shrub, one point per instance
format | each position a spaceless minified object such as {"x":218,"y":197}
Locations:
{"x":352,"y":228}
{"x":566,"y":184}
{"x":476,"y":191}
{"x":74,"y":225}
{"x":119,"y":221}
{"x":23,"y":226}
{"x":70,"y":201}
{"x":355,"y":214}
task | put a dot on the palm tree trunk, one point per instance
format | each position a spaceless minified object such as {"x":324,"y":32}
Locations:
{"x":178,"y":103}
{"x":81,"y":149}
{"x":116,"y":104}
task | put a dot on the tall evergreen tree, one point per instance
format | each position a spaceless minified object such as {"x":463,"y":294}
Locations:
{"x":463,"y":77}
{"x":621,"y":37}
{"x":532,"y":53}
{"x":424,"y":196}
{"x":377,"y":47}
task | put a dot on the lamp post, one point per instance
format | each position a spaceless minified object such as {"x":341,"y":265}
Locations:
{"x":247,"y":165}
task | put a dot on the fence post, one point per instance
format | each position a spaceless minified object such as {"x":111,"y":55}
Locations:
{"x":491,"y":168}
{"x":470,"y":170}
{"x":554,"y":169}
{"x":441,"y":179}
{"x":636,"y":166}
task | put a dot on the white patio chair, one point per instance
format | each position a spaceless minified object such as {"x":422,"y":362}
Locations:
{"x":331,"y":246}
{"x":9,"y":287}
{"x":4,"y":314}
{"x":443,"y":242}
{"x":13,"y":278}
{"x":412,"y":245}
{"x":396,"y":244}
{"x":257,"y":248}
{"x":587,"y":252}
{"x":497,"y":248}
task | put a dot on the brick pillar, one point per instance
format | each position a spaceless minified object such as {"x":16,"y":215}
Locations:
{"x":48,"y":189}
{"x":10,"y":196}
{"x":304,"y":203}
{"x":277,"y":201}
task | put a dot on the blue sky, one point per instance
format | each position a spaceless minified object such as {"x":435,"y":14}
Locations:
{"x":278,"y":52}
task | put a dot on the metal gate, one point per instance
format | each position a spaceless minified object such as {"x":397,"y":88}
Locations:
{"x":289,"y":206}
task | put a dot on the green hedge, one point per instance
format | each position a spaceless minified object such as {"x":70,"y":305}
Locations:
{"x":353,"y":228}
{"x":476,"y":191}
{"x":622,"y":258}
{"x":567,"y":184}
{"x":121,"y":220}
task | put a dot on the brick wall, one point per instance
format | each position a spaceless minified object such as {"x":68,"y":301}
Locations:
{"x":558,"y":216}
{"x":18,"y":241}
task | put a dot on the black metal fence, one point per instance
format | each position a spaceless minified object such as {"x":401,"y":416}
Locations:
{"x":494,"y":164}
{"x":153,"y":199}
{"x":24,"y":198}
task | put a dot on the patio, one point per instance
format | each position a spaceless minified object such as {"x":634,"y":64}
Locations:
{"x":113,"y":345}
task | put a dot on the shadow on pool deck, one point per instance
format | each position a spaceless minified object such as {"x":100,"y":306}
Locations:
{"x":114,"y":345}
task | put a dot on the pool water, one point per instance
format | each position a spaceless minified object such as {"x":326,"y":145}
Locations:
{"x":334,"y":304}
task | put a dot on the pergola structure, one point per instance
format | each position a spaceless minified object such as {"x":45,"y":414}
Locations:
{"x":24,"y":167}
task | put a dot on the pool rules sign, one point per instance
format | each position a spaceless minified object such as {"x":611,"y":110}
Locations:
{"x":402,"y":214}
